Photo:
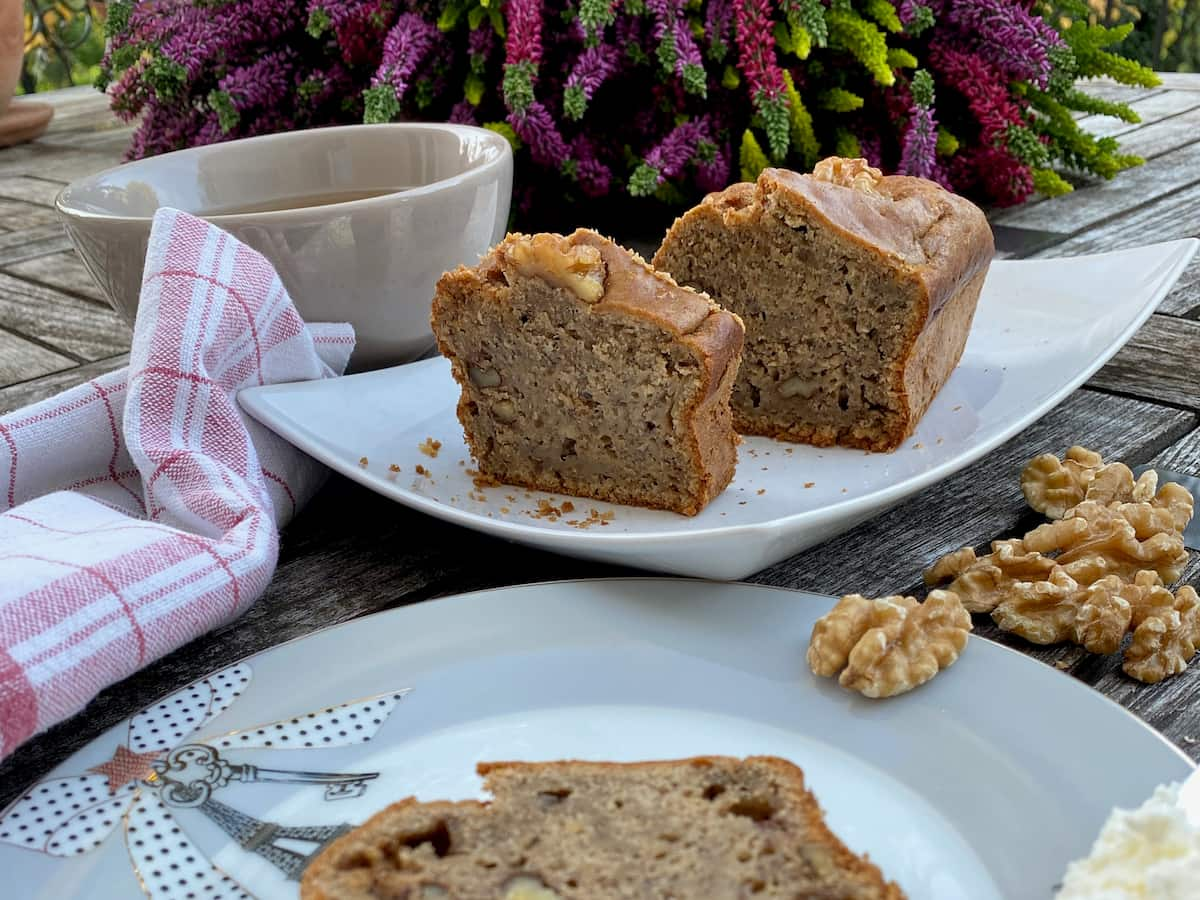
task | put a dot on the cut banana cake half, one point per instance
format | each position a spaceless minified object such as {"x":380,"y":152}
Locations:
{"x":857,"y":290}
{"x":585,"y":372}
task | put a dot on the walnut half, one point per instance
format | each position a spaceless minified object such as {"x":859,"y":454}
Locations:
{"x":891,"y":645}
{"x":577,"y":267}
{"x":852,"y":173}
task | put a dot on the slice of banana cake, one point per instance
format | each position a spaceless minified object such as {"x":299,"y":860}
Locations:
{"x":857,"y":291}
{"x":708,"y":828}
{"x":583,"y":371}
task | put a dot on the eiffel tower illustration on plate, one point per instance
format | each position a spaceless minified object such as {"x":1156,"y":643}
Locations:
{"x":154,"y":772}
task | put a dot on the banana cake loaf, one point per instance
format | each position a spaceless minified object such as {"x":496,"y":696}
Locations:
{"x":857,"y":291}
{"x":708,"y":828}
{"x":583,"y":371}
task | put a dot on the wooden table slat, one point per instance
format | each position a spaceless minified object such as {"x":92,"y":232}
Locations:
{"x":63,"y":271}
{"x":34,"y":390}
{"x":78,"y":327}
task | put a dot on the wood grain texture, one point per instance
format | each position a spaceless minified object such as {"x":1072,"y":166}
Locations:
{"x":1158,"y":364}
{"x":26,"y":243}
{"x":1081,"y":209}
{"x":1184,"y":298}
{"x":1162,"y":137}
{"x":1151,"y":108}
{"x":34,"y":390}
{"x":32,"y":190}
{"x":63,"y":271}
{"x":78,"y":327}
{"x":18,"y":214}
{"x":1174,"y":216}
{"x":21,"y":359}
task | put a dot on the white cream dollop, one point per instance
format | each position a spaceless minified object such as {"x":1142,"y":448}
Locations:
{"x":1148,"y":853}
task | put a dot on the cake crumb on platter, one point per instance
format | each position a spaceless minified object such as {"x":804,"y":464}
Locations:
{"x":761,"y":491}
{"x":430,"y":447}
{"x":809,"y":484}
{"x":362,"y":461}
{"x":421,"y":470}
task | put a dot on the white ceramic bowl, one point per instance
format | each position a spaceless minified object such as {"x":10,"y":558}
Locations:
{"x":442,"y":196}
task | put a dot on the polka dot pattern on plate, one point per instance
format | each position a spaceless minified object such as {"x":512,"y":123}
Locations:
{"x":167,"y":723}
{"x":170,"y":865}
{"x":65,"y":816}
{"x":334,"y":726}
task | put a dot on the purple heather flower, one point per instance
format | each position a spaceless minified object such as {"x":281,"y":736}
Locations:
{"x":718,"y":19}
{"x":481,"y":41}
{"x":676,"y":150}
{"x":263,"y":83}
{"x":593,"y":66}
{"x":713,"y":175}
{"x":871,"y":149}
{"x":919,"y":156}
{"x":404,"y":49}
{"x":594,"y":176}
{"x":537,"y":129}
{"x":1008,"y":35}
{"x":462,"y":113}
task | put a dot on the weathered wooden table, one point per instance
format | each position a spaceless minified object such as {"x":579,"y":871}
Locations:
{"x":352,"y":552}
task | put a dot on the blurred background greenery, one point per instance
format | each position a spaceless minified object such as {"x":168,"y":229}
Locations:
{"x":64,"y":39}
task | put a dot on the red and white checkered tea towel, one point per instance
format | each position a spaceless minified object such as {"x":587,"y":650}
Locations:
{"x":141,"y":509}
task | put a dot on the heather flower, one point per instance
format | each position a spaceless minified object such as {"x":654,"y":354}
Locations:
{"x":1008,"y":35}
{"x":984,"y":88}
{"x":593,"y":176}
{"x":535,"y":127}
{"x":594,"y":65}
{"x":718,"y":20}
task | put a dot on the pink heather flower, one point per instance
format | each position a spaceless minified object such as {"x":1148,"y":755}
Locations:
{"x":405,"y":48}
{"x":919,"y":156}
{"x":985,"y":89}
{"x":356,"y":24}
{"x":537,"y":129}
{"x":1004,"y":178}
{"x":756,"y":49}
{"x":1008,"y":35}
{"x":524,"y":19}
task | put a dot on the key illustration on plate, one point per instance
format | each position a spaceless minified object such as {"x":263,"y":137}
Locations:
{"x":155,"y":773}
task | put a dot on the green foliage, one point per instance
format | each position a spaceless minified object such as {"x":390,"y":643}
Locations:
{"x":695,"y":80}
{"x":922,"y":20}
{"x":1078,"y":100}
{"x":1073,"y":146}
{"x":227,"y":114}
{"x":803,"y":139}
{"x":380,"y":104}
{"x":165,"y":76}
{"x":574,"y":102}
{"x":1025,"y":146}
{"x":644,"y":181}
{"x":505,"y":130}
{"x":776,"y":123}
{"x":809,"y":16}
{"x":474,"y":88}
{"x":864,"y":41}
{"x":899,"y":58}
{"x":730,"y":80}
{"x":666,"y":53}
{"x":751,"y":158}
{"x":846,"y":145}
{"x":840,"y":100}
{"x":885,"y":14}
{"x":318,"y":22}
{"x":922,"y":88}
{"x":518,"y":85}
{"x":1049,"y":183}
{"x":947,"y":144}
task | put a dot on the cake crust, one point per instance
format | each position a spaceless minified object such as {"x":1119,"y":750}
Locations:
{"x":704,"y":827}
{"x":560,"y":344}
{"x":921,"y":252}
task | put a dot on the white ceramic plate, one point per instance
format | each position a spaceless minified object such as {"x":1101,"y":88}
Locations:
{"x":1041,"y":329}
{"x":982,"y":784}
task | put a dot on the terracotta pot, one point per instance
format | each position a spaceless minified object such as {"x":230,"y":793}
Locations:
{"x":12,"y":48}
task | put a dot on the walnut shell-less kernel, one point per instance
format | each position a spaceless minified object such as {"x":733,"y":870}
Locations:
{"x":483,"y":377}
{"x":505,"y":411}
{"x":983,"y":582}
{"x":1059,"y":609}
{"x":1052,"y":486}
{"x":577,"y":267}
{"x":891,"y":645}
{"x":852,"y":173}
{"x":798,"y":387}
{"x":1166,"y":641}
